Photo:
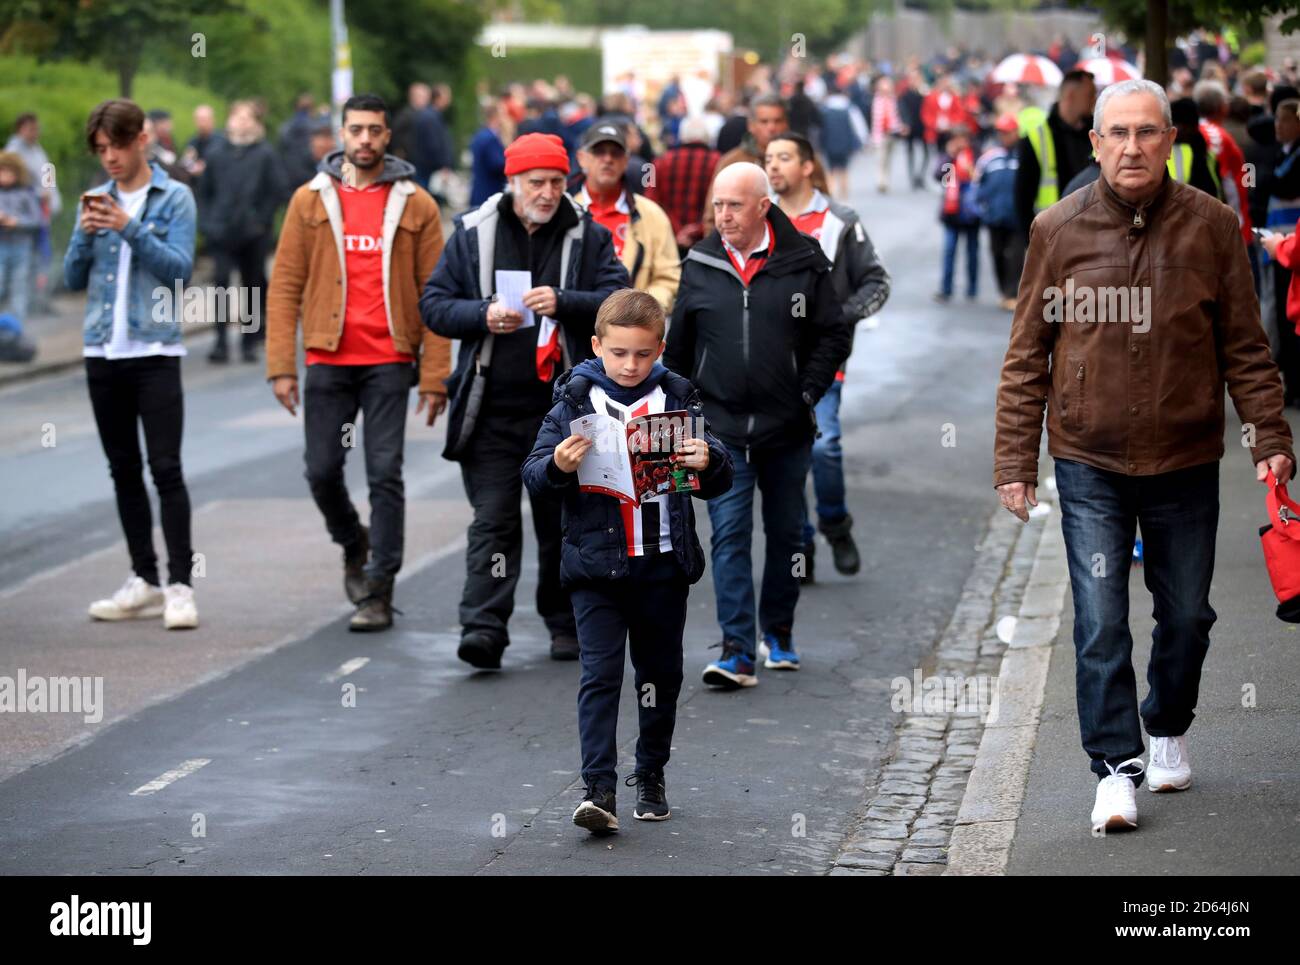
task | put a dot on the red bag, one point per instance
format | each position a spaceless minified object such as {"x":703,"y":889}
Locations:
{"x":1281,"y":540}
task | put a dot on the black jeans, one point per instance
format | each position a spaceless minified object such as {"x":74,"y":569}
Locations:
{"x":250,"y":261}
{"x":647,"y":610}
{"x":1008,"y":252}
{"x":916,"y":171}
{"x":491,"y":472}
{"x":332,"y":396}
{"x":1179,"y":515}
{"x":126,"y":394}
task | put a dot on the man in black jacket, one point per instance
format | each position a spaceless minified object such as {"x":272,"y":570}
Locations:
{"x":1052,"y":152}
{"x":241,"y":187}
{"x":861,"y":286}
{"x":504,"y":379}
{"x":756,"y":327}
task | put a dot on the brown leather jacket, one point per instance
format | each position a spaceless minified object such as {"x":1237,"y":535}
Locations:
{"x":308,"y":282}
{"x":1141,"y":394}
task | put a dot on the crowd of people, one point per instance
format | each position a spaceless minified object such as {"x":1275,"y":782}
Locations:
{"x":712,"y":269}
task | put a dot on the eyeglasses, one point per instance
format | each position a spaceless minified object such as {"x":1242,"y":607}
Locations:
{"x":1145,"y":135}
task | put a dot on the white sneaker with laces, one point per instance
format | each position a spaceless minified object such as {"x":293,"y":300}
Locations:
{"x":180,"y":613}
{"x":1116,"y":806}
{"x":136,"y":600}
{"x":1170,"y":770}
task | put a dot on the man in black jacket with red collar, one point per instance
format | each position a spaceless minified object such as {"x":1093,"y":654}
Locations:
{"x":756,"y":327}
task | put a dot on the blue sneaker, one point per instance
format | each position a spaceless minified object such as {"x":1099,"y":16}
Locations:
{"x":778,"y":654}
{"x":733,"y":670}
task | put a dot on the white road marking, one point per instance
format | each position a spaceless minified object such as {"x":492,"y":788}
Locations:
{"x":350,"y":666}
{"x":170,"y":777}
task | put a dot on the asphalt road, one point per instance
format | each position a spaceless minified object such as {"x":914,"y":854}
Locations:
{"x":437,"y":769}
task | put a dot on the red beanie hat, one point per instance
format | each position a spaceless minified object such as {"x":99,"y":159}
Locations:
{"x":536,"y":151}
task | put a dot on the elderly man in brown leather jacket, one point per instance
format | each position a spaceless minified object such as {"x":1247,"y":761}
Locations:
{"x":1135,"y":309}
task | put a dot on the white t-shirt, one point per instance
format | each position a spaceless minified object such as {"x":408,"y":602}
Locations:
{"x":120,"y":344}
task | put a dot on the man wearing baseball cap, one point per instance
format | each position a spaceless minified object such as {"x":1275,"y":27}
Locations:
{"x":507,"y":366}
{"x":643,"y":235}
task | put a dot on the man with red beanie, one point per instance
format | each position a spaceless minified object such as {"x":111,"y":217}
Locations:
{"x":508,"y":363}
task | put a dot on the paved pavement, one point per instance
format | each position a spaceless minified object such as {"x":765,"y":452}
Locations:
{"x":1241,"y":815}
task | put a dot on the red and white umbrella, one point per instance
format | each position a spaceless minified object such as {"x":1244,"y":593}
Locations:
{"x":1027,"y":69}
{"x":1107,"y":70}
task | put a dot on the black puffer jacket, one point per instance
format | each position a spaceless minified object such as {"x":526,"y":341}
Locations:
{"x":761,"y":355}
{"x":595,"y":546}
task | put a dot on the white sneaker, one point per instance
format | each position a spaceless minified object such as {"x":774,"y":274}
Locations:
{"x":1170,"y":770}
{"x":136,"y":600}
{"x":1116,"y":805}
{"x":181,"y":613}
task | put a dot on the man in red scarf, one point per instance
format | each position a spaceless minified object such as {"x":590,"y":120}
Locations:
{"x":513,"y":346}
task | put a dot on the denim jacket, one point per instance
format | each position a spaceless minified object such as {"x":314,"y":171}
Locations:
{"x":162,"y":257}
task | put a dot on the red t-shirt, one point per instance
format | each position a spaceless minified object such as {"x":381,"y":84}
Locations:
{"x":611,"y":217}
{"x":366,"y":339}
{"x":810,"y":222}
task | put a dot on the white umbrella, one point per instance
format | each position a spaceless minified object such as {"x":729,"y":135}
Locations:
{"x":1107,"y":70}
{"x":1027,"y":69}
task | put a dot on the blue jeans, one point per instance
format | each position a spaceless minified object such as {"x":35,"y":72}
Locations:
{"x":951,"y":236}
{"x":1179,"y":515}
{"x":15,"y":273}
{"x":827,"y":465}
{"x":780,"y":475}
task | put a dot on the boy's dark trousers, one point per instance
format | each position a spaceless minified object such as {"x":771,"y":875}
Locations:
{"x":649,"y":609}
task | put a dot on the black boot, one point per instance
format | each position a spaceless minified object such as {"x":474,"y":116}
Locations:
{"x":375,"y":609}
{"x":480,"y":649}
{"x":354,"y":567}
{"x":809,"y":562}
{"x":843,"y":549}
{"x":564,"y":646}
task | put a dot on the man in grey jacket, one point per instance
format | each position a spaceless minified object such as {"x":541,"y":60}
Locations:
{"x":861,"y":286}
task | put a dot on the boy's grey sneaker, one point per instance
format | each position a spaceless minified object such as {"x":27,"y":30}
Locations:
{"x":597,"y":812}
{"x":651,"y":796}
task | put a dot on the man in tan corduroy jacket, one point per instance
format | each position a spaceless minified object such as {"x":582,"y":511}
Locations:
{"x":358,"y":243}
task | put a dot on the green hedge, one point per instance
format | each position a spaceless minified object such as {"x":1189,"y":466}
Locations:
{"x":62,"y":95}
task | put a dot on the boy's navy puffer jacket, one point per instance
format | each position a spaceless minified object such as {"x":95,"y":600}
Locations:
{"x":594,"y":545}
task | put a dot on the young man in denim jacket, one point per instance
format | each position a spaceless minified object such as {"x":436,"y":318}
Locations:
{"x":132,"y":252}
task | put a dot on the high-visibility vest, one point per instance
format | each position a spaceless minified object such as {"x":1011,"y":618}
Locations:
{"x":1030,"y":117}
{"x":1180,"y":166}
{"x":1044,"y":145}
{"x":1180,"y":163}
